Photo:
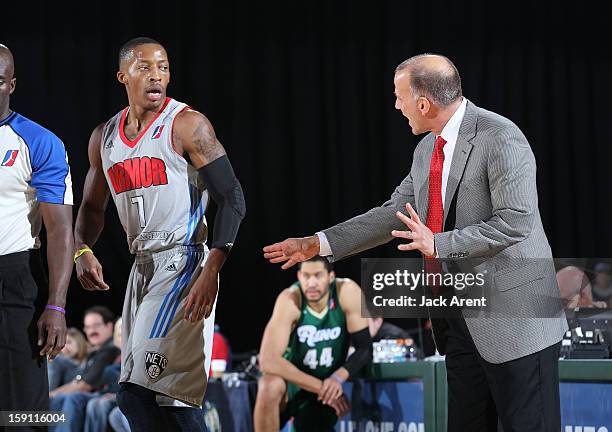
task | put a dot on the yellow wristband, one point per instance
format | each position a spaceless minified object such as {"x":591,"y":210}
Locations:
{"x":81,"y":252}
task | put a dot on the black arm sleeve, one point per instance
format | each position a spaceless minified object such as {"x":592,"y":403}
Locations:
{"x":225,"y":189}
{"x":362,"y":341}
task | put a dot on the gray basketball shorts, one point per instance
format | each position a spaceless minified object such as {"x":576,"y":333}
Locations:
{"x":160,"y":350}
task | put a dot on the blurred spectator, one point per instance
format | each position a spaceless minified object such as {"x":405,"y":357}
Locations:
{"x":576,"y":289}
{"x":221,"y":357}
{"x":66,"y":366}
{"x":602,"y":283}
{"x":72,"y":398}
{"x":380,"y":329}
{"x":99,"y":408}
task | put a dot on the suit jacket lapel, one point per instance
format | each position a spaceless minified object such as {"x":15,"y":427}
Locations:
{"x":460,"y":157}
{"x":463,"y":147}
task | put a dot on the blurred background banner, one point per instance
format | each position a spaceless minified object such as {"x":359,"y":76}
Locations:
{"x":586,"y":405}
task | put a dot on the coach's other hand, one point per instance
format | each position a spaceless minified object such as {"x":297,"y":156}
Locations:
{"x":89,"y":273}
{"x":421,"y":236}
{"x":292,"y":250}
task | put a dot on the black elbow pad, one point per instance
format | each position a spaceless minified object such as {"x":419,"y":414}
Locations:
{"x":226,"y":191}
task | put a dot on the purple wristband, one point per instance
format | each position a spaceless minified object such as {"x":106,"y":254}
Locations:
{"x":56,"y":308}
{"x":337,"y":378}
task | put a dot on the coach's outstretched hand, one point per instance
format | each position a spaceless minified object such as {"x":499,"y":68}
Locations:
{"x":89,"y":273}
{"x":292,"y":250}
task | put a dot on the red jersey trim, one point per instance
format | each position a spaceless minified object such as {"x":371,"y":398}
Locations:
{"x":133,"y":143}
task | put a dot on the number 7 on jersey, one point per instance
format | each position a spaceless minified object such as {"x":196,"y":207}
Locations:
{"x":139,"y":201}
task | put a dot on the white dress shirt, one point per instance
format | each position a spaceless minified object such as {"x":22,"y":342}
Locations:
{"x":450,"y":132}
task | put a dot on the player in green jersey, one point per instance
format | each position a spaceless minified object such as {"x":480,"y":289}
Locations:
{"x":304,"y":351}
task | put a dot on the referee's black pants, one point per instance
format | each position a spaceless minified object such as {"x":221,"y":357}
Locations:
{"x":522,"y":393}
{"x":23,"y":372}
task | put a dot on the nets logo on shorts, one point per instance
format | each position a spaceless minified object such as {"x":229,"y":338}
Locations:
{"x":155,"y":363}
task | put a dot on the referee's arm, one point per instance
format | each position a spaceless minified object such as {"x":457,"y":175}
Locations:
{"x":52,"y":325}
{"x":53,"y":184}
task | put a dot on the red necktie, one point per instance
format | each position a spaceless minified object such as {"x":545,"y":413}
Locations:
{"x":435,"y":212}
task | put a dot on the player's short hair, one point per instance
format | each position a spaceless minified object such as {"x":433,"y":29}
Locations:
{"x":442,"y":85}
{"x":318,"y":258}
{"x":103,"y":311}
{"x":125,"y":52}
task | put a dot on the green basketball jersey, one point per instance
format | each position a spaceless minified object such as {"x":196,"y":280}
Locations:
{"x":319,"y":343}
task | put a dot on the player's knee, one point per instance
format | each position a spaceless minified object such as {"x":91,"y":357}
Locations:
{"x":271,"y":388}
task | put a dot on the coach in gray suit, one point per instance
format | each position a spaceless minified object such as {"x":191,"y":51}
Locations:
{"x":471,"y":196}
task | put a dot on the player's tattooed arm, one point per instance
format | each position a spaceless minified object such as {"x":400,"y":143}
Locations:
{"x":195,"y":136}
{"x":205,"y":139}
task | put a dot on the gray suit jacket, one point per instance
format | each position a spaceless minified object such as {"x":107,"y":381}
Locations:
{"x":497,"y":230}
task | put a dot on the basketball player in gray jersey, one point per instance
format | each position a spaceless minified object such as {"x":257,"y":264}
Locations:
{"x":159,"y":160}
